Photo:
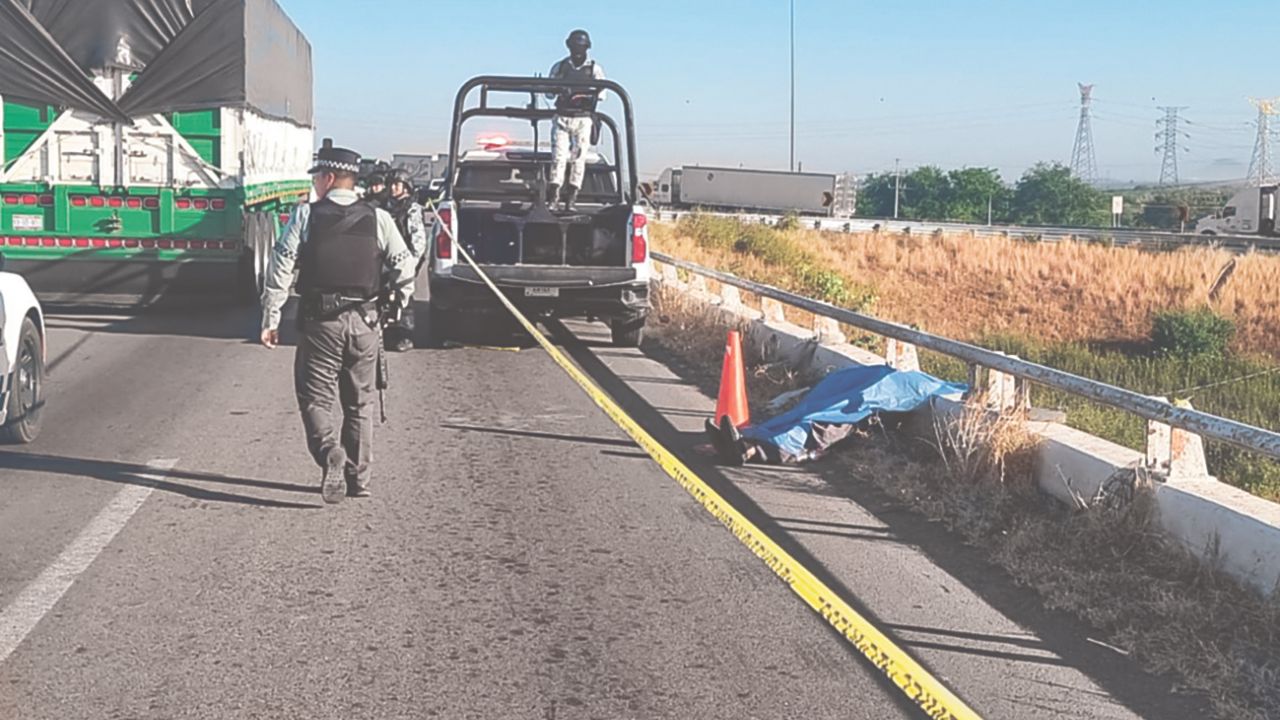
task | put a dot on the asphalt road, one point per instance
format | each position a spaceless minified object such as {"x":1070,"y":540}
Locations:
{"x":164,"y":554}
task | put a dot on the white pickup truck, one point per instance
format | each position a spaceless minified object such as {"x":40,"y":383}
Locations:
{"x":22,"y":350}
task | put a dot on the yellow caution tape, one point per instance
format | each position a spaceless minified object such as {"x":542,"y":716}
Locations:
{"x":456,"y":345}
{"x":926,"y":691}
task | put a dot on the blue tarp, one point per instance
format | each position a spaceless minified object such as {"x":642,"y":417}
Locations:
{"x":849,"y":396}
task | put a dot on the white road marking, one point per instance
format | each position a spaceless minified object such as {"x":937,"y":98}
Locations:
{"x":37,"y":599}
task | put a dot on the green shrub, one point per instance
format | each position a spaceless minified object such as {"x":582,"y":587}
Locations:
{"x":790,"y":221}
{"x":1191,"y":333}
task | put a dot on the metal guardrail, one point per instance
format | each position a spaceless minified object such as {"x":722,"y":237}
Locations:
{"x":1209,"y":426}
{"x":1144,"y":238}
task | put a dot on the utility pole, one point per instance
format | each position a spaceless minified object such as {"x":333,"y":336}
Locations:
{"x":1169,"y":136}
{"x":1084,"y":164}
{"x":1261,"y":169}
{"x":897,"y":186}
{"x":989,"y":199}
{"x":793,"y":85}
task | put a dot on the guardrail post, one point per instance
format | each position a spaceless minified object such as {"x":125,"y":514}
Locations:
{"x":730,"y":296}
{"x":670,"y":274}
{"x":828,"y":330}
{"x":773,"y":310}
{"x":1175,"y":454}
{"x":903,"y":356}
{"x":698,"y":283}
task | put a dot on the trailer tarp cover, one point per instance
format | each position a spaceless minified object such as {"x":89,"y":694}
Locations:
{"x":193,"y":54}
{"x":35,"y":68}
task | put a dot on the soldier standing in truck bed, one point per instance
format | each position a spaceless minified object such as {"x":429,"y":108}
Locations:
{"x":573,"y":123}
{"x":343,"y":249}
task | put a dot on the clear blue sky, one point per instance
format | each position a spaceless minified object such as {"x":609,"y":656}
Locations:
{"x":949,"y":83}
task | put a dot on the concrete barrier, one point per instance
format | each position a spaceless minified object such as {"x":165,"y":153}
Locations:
{"x":1224,"y":526}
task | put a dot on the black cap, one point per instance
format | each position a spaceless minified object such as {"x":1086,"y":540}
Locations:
{"x":335,"y":159}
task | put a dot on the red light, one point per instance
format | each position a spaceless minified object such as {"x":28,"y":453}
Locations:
{"x":201,"y":204}
{"x":11,"y":200}
{"x":115,"y":202}
{"x":65,"y":242}
{"x":48,"y":242}
{"x":29,"y":199}
{"x":218,"y":204}
{"x":183,"y":203}
{"x":79,"y":201}
{"x":197,"y":244}
{"x":165,"y":244}
{"x":98,"y":201}
{"x":151,"y":203}
{"x":639,"y":239}
{"x":228,"y":245}
{"x":82,"y":242}
{"x":639,"y":248}
{"x":46,"y":200}
{"x":134,"y":202}
{"x":131,"y":243}
{"x":444,"y":240}
{"x":15,"y":241}
{"x":115,"y":243}
{"x":493,"y":142}
{"x":284,"y":218}
{"x":99,"y":243}
{"x":148,"y":243}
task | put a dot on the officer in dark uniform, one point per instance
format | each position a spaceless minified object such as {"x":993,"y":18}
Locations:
{"x":375,"y":192}
{"x":407,"y":213}
{"x":343,"y":249}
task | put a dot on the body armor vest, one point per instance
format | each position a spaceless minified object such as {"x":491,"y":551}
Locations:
{"x":341,"y":254}
{"x":587,"y":73}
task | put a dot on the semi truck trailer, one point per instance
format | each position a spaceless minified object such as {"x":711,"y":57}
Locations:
{"x":150,"y":148}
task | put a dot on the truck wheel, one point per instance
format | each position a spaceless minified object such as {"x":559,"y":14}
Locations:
{"x":441,"y":326}
{"x":26,"y":394}
{"x":627,"y":332}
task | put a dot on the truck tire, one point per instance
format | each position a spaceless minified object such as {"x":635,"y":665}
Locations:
{"x":627,"y":332}
{"x":26,"y":393}
{"x":441,"y":326}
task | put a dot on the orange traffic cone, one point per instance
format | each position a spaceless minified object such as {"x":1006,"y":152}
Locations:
{"x":733,"y":384}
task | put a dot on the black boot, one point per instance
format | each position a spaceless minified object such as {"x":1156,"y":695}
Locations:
{"x":571,"y":199}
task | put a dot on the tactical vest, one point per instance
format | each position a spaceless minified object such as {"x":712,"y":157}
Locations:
{"x":586,"y":73}
{"x":341,"y":253}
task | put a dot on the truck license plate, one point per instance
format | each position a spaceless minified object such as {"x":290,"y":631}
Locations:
{"x":541,"y":292}
{"x":28,"y":222}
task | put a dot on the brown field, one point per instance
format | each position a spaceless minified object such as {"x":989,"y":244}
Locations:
{"x":968,"y":288}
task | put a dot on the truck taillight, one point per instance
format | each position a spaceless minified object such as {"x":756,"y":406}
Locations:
{"x":444,"y":240}
{"x":639,"y":238}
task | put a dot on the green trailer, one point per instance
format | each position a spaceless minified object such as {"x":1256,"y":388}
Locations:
{"x":122,"y":181}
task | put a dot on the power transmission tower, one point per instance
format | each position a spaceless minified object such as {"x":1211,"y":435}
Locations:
{"x":1084,"y":164}
{"x":1261,"y":168}
{"x":1169,"y":135}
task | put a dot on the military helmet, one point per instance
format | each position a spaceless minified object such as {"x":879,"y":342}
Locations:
{"x":400,"y":175}
{"x":578,"y":39}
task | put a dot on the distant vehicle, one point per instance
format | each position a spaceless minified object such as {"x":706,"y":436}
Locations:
{"x":22,"y":352}
{"x":1251,"y":211}
{"x":739,"y":189}
{"x":592,"y":261}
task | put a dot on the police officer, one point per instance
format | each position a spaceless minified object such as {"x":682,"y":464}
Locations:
{"x":573,"y":123}
{"x":342,"y":248}
{"x":375,"y":186}
{"x":407,"y":213}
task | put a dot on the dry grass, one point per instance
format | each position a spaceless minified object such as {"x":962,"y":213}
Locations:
{"x":968,"y":288}
{"x":1110,"y":566}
